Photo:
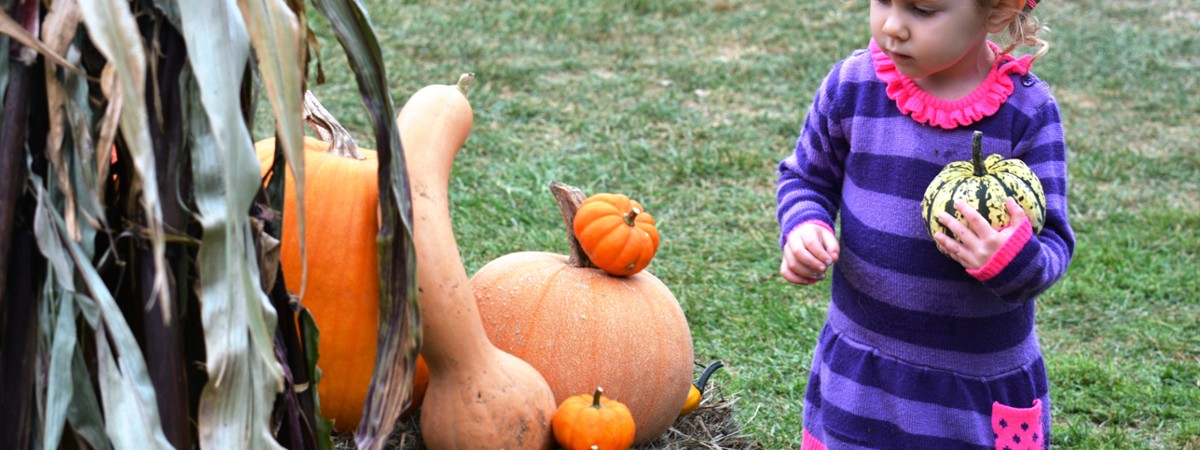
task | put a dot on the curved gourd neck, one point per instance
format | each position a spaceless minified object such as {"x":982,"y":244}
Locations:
{"x":455,"y":333}
{"x":434,"y":125}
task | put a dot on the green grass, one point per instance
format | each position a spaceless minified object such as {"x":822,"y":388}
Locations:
{"x":688,"y":106}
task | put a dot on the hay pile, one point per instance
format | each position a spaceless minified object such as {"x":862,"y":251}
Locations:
{"x":711,"y":426}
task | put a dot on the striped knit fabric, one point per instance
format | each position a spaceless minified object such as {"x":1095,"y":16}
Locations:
{"x":916,"y":352}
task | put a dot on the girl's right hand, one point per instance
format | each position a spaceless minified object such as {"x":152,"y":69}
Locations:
{"x":811,"y":248}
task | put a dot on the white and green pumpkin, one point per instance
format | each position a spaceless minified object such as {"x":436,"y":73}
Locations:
{"x":984,"y":184}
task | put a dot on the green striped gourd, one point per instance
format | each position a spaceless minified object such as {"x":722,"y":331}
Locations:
{"x":984,"y":184}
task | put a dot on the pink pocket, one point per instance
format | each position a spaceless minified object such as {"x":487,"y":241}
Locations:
{"x":810,"y":442}
{"x":1018,"y":428}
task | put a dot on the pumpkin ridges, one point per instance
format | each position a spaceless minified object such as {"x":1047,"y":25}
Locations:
{"x":1022,"y":196}
{"x":596,"y":228}
{"x":613,"y":238}
{"x":635,"y":249}
{"x":647,"y":225}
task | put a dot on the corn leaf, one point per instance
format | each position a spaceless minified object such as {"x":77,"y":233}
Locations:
{"x":130,"y":409}
{"x":69,"y":397}
{"x":84,"y":412}
{"x":399,"y":322}
{"x":10,"y":27}
{"x":115,"y":33}
{"x":278,"y":41}
{"x":170,"y":11}
{"x":58,"y":29}
{"x":311,"y":335}
{"x":60,"y":311}
{"x":83,"y":160}
{"x":239,"y":323}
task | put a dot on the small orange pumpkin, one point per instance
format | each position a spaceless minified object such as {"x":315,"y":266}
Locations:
{"x":616,"y":233}
{"x":593,"y":421}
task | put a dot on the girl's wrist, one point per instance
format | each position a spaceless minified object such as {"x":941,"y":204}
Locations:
{"x":1004,"y":255}
{"x":817,"y":222}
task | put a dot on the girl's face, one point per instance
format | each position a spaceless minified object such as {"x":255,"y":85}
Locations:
{"x":932,"y":38}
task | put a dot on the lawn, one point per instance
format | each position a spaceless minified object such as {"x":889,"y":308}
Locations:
{"x":688,"y":106}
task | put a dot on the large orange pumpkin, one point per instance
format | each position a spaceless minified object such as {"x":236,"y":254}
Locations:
{"x":341,"y":195}
{"x":582,"y":328}
{"x":341,"y":224}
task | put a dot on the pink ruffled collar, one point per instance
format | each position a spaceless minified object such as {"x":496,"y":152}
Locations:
{"x":930,"y":110}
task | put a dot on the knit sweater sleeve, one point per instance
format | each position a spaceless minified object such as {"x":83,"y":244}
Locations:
{"x":1029,"y":264}
{"x":810,"y":179}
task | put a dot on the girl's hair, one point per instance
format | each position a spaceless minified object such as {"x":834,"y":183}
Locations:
{"x":1024,"y":30}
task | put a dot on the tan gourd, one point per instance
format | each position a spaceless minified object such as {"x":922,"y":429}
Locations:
{"x":478,"y":395}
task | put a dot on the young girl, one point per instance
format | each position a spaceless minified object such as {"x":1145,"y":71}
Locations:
{"x":929,"y":343}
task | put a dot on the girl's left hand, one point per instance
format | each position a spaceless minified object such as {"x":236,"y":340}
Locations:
{"x":976,"y":240}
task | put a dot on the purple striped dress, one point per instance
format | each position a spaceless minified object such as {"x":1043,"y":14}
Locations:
{"x":916,"y":352}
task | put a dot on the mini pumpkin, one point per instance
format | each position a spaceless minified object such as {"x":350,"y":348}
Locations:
{"x":593,"y":421}
{"x":984,"y":184}
{"x":616,"y":233}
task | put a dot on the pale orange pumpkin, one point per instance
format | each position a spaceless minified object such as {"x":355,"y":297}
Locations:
{"x":582,"y":328}
{"x":342,"y":294}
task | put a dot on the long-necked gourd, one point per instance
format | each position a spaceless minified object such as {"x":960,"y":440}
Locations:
{"x":478,"y":395}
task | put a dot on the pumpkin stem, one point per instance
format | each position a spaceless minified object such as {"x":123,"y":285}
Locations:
{"x":569,"y":198}
{"x":465,"y":81}
{"x":631,"y":216}
{"x":596,"y":398}
{"x":328,"y":129}
{"x":977,"y":154}
{"x":708,"y":371}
